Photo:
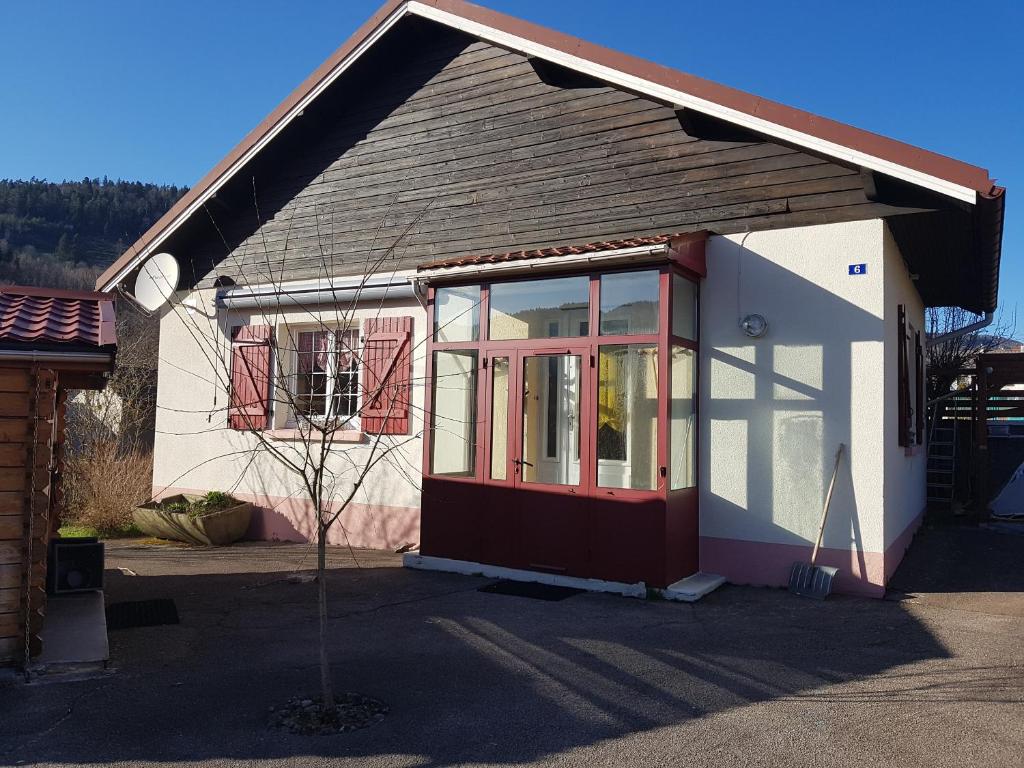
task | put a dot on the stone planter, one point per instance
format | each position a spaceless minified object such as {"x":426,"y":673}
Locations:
{"x":219,"y":528}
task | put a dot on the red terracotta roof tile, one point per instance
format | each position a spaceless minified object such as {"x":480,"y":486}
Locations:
{"x":53,"y":316}
{"x":559,"y":250}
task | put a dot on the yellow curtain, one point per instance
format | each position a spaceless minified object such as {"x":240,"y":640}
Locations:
{"x":609,"y":410}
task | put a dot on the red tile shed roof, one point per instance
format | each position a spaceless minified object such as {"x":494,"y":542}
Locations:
{"x":49,"y":316}
{"x":559,"y":250}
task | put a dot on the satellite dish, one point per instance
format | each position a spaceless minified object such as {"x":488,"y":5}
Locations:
{"x":157,"y":281}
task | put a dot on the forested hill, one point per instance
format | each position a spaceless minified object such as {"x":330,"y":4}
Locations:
{"x":63,"y":234}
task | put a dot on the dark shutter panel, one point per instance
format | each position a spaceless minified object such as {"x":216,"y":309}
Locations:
{"x":250,"y":377}
{"x":387,"y":375}
{"x":901,"y":350}
{"x":920,"y":401}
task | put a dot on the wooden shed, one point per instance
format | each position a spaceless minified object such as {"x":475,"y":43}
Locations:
{"x":51,"y":341}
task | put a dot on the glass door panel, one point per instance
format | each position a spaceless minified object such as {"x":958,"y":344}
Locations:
{"x":454,"y":416}
{"x":627,"y":416}
{"x":499,"y":418}
{"x":550,"y":447}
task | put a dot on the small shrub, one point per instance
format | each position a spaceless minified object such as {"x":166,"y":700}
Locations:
{"x":215,"y":500}
{"x":103,"y":484}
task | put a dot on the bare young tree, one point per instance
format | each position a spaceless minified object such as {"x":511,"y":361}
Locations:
{"x":949,"y":358}
{"x":314,"y":355}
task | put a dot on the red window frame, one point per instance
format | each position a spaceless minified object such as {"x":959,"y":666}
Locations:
{"x":588,"y":346}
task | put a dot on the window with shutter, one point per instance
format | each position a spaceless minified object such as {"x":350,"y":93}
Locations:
{"x":249,"y":405}
{"x":919,"y":389}
{"x":387,"y":374}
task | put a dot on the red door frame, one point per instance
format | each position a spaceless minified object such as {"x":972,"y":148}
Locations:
{"x":510,"y":419}
{"x":581,"y":488}
{"x":589,"y":348}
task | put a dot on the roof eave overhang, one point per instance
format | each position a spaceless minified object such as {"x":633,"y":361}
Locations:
{"x":555,"y":47}
{"x":989,"y":216}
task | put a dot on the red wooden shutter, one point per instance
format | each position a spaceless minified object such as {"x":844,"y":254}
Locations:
{"x":250,"y":377}
{"x":387,"y":375}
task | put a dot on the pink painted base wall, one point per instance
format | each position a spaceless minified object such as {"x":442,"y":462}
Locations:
{"x":758,"y":563}
{"x":754,"y":563}
{"x":293,"y":519}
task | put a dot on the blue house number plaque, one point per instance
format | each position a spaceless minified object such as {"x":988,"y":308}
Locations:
{"x":858,"y":269}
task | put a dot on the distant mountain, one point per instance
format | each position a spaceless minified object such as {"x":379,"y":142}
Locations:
{"x":63,"y":234}
{"x":1001,"y":343}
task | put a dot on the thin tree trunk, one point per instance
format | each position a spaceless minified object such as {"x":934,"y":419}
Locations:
{"x":326,"y":684}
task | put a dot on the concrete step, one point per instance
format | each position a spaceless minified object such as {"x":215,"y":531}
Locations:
{"x":74,"y":635}
{"x":693,"y":588}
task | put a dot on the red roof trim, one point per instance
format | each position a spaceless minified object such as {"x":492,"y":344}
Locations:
{"x":54,"y":293}
{"x":869,"y":143}
{"x":906,"y":155}
{"x":559,"y":250}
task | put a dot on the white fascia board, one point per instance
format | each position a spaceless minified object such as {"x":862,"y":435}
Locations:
{"x":681,"y":99}
{"x":541,"y":263}
{"x":294,"y":112}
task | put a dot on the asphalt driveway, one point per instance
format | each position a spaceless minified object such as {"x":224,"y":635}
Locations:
{"x":746,"y":677}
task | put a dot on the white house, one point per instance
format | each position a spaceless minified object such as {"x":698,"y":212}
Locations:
{"x":613,"y":320}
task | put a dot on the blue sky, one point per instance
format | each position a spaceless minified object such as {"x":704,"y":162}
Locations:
{"x":161,"y":91}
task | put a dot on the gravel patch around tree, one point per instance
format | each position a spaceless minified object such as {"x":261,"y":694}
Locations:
{"x":308,"y":717}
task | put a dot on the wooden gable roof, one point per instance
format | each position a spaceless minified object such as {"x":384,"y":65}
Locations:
{"x":976,"y":231}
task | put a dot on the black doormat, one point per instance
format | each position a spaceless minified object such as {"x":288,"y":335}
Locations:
{"x":530,"y":589}
{"x":141,"y":613}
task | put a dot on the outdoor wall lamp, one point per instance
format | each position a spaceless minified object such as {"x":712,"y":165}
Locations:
{"x":754,"y":326}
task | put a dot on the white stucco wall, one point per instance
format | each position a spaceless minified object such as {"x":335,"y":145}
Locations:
{"x":773,"y":410}
{"x":195,"y":450}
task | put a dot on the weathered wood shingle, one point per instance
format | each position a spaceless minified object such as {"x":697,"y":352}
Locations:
{"x":441,"y":146}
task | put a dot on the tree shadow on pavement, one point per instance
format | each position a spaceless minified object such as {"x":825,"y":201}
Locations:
{"x":470,"y":677}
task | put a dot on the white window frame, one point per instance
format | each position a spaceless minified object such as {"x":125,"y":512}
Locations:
{"x":334,"y":333}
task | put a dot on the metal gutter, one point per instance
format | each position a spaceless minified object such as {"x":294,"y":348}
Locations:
{"x":37,"y":356}
{"x":315,"y":292}
{"x":983,"y":323}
